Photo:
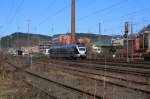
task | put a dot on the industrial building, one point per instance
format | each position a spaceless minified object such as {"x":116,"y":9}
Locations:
{"x":30,"y":49}
{"x":43,"y":45}
{"x":102,"y":46}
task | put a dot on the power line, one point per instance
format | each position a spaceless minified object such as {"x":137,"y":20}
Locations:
{"x":116,"y":27}
{"x":49,"y":6}
{"x":10,"y":10}
{"x":135,"y":12}
{"x":129,"y":14}
{"x":18,"y":8}
{"x":104,"y":9}
{"x":88,"y":2}
{"x":59,"y":11}
{"x":17,"y":11}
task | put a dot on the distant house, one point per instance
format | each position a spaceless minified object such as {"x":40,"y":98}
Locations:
{"x":102,"y":46}
{"x":32,"y":49}
{"x":43,"y":45}
{"x":117,"y":41}
{"x":12,"y":51}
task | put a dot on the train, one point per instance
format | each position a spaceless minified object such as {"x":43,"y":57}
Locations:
{"x":73,"y":51}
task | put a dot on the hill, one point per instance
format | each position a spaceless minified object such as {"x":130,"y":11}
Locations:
{"x":18,"y":39}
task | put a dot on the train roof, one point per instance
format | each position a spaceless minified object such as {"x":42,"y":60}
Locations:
{"x":66,"y":46}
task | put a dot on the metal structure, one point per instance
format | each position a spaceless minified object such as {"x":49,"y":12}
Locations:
{"x":0,"y":44}
{"x":132,"y":50}
{"x":28,"y":31}
{"x":99,"y":24}
{"x":126,"y":36}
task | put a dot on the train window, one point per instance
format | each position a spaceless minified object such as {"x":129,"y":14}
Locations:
{"x":82,"y":49}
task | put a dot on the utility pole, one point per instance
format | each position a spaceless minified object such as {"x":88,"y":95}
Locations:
{"x":99,"y":29}
{"x":18,"y":38}
{"x":132,"y":50}
{"x":29,"y":50}
{"x":73,"y":21}
{"x":28,"y":25}
{"x":7,"y":44}
{"x":0,"y":44}
{"x":28,"y":31}
{"x":52,"y":29}
{"x":126,"y":36}
{"x":143,"y":32}
{"x":0,"y":40}
{"x":127,"y":49}
{"x":143,"y":40}
{"x":143,"y":36}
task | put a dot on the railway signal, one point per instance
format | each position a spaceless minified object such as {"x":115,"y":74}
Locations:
{"x":126,"y":27}
{"x":126,"y":30}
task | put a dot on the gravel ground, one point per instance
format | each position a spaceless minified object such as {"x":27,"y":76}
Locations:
{"x":97,"y":87}
{"x":111,"y":91}
{"x":13,"y":86}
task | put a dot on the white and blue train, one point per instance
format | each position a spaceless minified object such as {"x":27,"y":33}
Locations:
{"x":68,"y":51}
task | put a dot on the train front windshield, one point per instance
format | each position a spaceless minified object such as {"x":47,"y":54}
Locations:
{"x":82,"y":49}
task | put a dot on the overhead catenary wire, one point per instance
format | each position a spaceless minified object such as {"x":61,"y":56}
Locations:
{"x":87,"y":1}
{"x":50,"y":16}
{"x":55,"y":14}
{"x":10,"y":10}
{"x":51,"y":4}
{"x":141,"y":10}
{"x":122,"y":17}
{"x":102,"y":10}
{"x":126,"y":15}
{"x":16,"y":11}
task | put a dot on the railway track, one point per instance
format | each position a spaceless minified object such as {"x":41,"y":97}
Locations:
{"x":118,"y":68}
{"x":142,"y":86}
{"x":132,"y":68}
{"x":87,"y":73}
{"x":133,"y":64}
{"x":145,"y":65}
{"x":121,"y":61}
{"x":38,"y":76}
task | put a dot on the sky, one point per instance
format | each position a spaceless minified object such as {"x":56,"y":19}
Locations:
{"x":51,"y":17}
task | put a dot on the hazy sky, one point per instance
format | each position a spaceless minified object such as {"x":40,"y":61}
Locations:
{"x":53,"y":16}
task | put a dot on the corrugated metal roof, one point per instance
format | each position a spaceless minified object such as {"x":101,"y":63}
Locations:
{"x":103,"y":43}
